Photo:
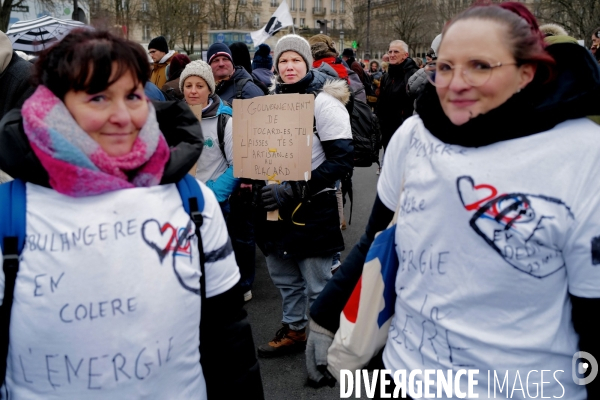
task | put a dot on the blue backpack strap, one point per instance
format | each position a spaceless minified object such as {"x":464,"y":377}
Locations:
{"x":193,"y":203}
{"x":12,"y":241}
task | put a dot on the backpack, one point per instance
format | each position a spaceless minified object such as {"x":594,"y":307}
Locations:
{"x":366,"y":136}
{"x":12,"y":241}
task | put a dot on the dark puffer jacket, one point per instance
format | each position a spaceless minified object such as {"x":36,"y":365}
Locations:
{"x":228,"y":359}
{"x":394,"y":104}
{"x":14,"y":81}
{"x":315,"y":228}
{"x":227,"y":89}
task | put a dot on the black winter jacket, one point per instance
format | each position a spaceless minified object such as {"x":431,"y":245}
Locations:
{"x":228,"y":358}
{"x":394,"y":105}
{"x":14,"y":81}
{"x":320,"y":234}
{"x":227,"y":89}
{"x":573,"y":94}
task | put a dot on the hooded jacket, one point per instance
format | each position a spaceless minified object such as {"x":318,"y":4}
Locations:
{"x":394,"y":104}
{"x":159,"y":69}
{"x":358,"y":89}
{"x":227,"y":90}
{"x":226,"y":339}
{"x":312,"y":227}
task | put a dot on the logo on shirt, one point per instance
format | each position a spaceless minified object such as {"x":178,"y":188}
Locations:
{"x":165,"y":239}
{"x":519,"y":226}
{"x":208,"y":142}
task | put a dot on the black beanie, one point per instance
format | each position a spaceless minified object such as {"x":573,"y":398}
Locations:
{"x":262,"y":57}
{"x":159,"y":43}
{"x":218,"y":49}
{"x":241,"y":55}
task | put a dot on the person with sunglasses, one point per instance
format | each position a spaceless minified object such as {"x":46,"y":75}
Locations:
{"x":498,"y":265}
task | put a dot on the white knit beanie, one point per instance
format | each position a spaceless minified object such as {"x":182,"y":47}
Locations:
{"x":201,"y":69}
{"x":293,"y":43}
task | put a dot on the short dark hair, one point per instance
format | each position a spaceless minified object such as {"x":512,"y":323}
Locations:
{"x":83,"y":61}
{"x":597,"y":32}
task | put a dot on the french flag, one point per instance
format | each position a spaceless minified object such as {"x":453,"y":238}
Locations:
{"x":366,"y":318}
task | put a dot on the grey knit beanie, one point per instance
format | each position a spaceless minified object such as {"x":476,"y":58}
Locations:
{"x":201,"y":69}
{"x":293,"y":43}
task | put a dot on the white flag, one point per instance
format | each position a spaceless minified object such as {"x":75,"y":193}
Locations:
{"x":280,"y":19}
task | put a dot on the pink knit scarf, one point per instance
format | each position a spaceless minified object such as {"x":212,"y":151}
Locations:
{"x":76,"y":164}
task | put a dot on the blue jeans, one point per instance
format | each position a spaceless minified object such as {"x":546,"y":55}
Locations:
{"x":299,"y":280}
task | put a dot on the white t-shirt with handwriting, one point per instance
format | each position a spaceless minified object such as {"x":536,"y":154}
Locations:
{"x":107,"y":300}
{"x":491,"y":241}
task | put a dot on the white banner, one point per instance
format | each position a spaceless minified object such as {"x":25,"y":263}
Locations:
{"x":281,"y":18}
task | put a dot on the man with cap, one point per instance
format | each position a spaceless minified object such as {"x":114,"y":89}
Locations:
{"x":262,"y":64}
{"x":235,"y":82}
{"x":158,"y":49}
{"x":230,"y":79}
{"x":348,"y":57}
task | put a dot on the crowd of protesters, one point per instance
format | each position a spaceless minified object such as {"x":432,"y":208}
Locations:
{"x":492,"y":134}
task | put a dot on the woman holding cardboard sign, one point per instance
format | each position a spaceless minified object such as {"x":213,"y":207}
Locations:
{"x":215,"y":166}
{"x":300,"y":245}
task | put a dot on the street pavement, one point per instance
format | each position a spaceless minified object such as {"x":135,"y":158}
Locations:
{"x":285,"y":377}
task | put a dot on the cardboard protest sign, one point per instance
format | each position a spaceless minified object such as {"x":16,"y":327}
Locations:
{"x":272,"y":137}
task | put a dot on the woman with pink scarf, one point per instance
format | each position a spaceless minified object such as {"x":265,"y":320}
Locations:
{"x":107,"y":298}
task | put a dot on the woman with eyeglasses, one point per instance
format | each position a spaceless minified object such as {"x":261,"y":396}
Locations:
{"x":498,"y":228}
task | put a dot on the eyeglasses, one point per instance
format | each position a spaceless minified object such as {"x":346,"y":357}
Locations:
{"x":475,"y":72}
{"x":152,"y":52}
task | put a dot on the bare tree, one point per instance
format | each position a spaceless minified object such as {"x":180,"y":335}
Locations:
{"x":166,"y":16}
{"x":192,"y":25}
{"x":226,"y":14}
{"x":578,"y":17}
{"x":410,"y":22}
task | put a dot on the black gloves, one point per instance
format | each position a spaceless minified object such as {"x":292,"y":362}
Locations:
{"x":284,"y":194}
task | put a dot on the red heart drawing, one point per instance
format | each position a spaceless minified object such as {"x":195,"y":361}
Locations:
{"x":160,"y":243}
{"x":474,"y":196}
